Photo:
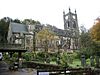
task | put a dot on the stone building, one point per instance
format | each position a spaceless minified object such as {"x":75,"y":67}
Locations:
{"x":18,"y":36}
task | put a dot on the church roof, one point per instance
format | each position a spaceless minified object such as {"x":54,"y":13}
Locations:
{"x":19,"y":28}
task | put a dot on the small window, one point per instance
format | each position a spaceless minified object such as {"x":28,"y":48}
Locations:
{"x":66,"y":17}
{"x":74,"y":24}
{"x":73,"y":17}
{"x":68,"y":24}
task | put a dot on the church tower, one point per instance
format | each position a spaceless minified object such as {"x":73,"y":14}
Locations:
{"x":70,"y":20}
{"x":71,"y":28}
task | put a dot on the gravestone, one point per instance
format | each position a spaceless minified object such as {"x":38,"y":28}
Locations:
{"x":92,"y":60}
{"x":83,"y":60}
{"x":97,"y":61}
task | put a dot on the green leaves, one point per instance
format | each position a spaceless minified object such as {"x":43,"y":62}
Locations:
{"x":30,"y":22}
{"x":3,"y":30}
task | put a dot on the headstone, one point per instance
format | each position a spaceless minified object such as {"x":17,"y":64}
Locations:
{"x":58,"y":60}
{"x":97,"y":61}
{"x":91,"y":60}
{"x":83,"y":60}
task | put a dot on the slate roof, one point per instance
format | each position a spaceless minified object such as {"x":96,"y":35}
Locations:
{"x":19,"y":28}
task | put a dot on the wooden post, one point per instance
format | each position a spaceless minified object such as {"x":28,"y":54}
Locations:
{"x":34,"y":48}
{"x":24,"y":42}
{"x":64,"y":70}
{"x":19,"y":61}
{"x":37,"y":72}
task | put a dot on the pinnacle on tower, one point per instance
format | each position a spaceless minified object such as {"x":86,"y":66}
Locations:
{"x":69,"y":9}
{"x":75,"y":11}
{"x":64,"y":12}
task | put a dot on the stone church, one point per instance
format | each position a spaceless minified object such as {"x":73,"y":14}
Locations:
{"x":68,"y":37}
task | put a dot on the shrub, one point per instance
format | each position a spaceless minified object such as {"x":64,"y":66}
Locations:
{"x":28,"y":56}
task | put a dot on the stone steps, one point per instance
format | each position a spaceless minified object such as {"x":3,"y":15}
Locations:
{"x":3,"y":66}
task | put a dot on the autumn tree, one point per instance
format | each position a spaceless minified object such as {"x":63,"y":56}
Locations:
{"x":95,"y":32}
{"x":45,"y":36}
{"x":95,"y":35}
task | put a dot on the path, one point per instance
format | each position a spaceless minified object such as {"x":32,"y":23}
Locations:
{"x":4,"y":70}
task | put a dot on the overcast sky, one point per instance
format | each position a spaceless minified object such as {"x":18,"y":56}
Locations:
{"x":51,"y":11}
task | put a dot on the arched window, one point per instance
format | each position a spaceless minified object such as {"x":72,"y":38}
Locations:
{"x":74,"y":24}
{"x":68,"y":24}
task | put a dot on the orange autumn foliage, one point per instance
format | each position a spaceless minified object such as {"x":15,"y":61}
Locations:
{"x":95,"y":32}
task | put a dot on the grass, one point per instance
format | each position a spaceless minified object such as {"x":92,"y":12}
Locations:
{"x":52,"y":62}
{"x":76,"y":63}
